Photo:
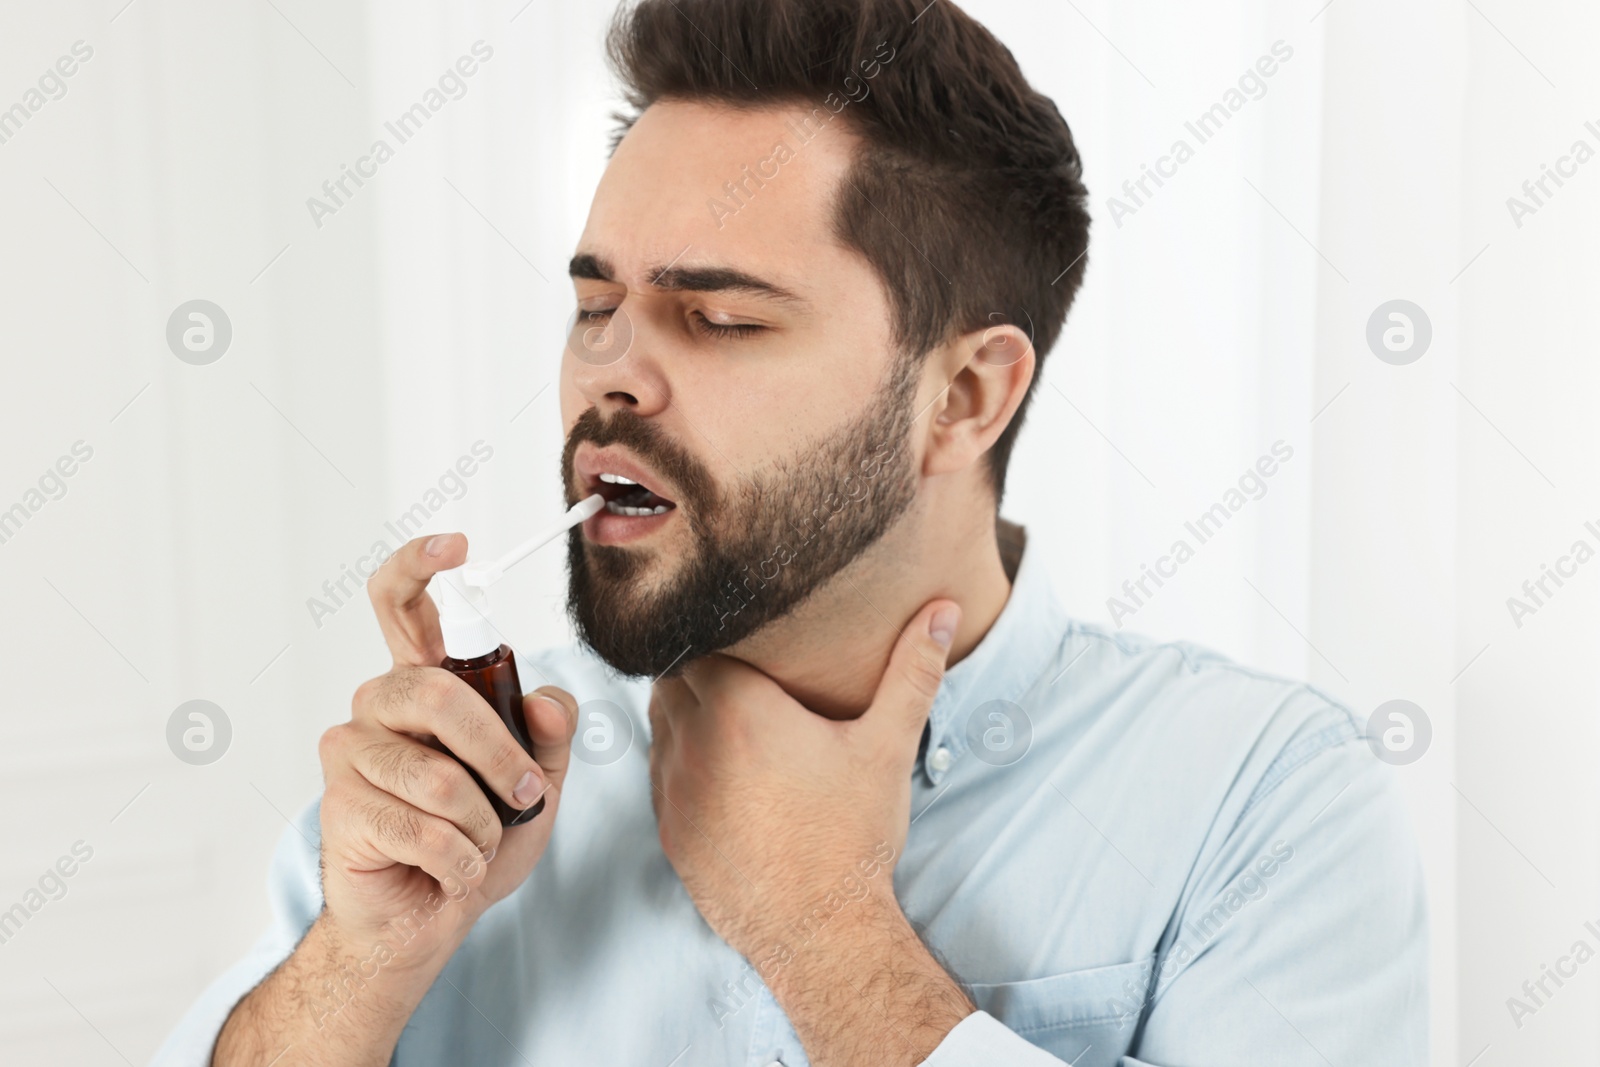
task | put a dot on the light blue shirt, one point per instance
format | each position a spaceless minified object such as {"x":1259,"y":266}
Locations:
{"x":1130,"y":853}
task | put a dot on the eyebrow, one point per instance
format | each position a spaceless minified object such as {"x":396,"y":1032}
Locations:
{"x":688,"y":279}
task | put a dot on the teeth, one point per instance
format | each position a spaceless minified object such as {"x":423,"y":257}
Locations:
{"x":617,"y":479}
{"x":618,"y":509}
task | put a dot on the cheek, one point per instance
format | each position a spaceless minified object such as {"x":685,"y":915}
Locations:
{"x":771,"y":413}
{"x":571,"y":398}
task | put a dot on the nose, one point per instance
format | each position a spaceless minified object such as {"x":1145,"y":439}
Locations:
{"x":610,"y":366}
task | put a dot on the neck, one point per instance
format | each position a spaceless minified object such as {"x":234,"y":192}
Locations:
{"x":831,"y":652}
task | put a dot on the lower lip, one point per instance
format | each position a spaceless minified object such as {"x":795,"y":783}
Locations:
{"x":608,"y":529}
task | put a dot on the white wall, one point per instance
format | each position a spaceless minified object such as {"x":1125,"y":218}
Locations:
{"x":1224,"y":314}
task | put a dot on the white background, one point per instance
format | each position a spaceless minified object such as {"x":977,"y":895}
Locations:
{"x":1227,"y":313}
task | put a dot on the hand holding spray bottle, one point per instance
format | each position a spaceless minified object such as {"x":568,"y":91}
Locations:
{"x":472,"y":646}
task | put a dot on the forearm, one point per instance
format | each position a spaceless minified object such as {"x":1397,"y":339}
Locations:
{"x":328,"y":1003}
{"x":866,"y":991}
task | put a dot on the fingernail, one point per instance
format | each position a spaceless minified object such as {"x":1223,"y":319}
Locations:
{"x":942,"y":628}
{"x":529,"y":786}
{"x":435,"y":545}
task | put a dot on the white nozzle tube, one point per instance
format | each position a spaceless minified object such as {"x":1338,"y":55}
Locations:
{"x":464,"y":618}
{"x":464,"y":599}
{"x":482,"y":574}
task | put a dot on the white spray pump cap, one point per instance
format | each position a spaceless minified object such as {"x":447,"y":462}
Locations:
{"x":463,"y":594}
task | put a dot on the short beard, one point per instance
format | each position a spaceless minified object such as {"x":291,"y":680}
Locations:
{"x":761,"y":548}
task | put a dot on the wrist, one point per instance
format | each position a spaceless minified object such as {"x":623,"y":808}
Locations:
{"x":408,"y":949}
{"x":866,"y":926}
{"x":866,"y":966}
{"x":325,"y":1001}
{"x":826,"y":887}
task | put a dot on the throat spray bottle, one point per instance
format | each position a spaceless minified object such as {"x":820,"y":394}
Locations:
{"x":473,"y":649}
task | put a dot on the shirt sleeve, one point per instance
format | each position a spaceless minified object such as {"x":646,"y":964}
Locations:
{"x":980,"y":1038}
{"x":1301,"y":940}
{"x":295,"y":890}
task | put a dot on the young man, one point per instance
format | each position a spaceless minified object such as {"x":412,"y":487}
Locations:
{"x":830,"y":250}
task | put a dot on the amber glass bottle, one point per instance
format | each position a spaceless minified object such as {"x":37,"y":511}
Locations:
{"x":472,"y":647}
{"x":494,"y":676}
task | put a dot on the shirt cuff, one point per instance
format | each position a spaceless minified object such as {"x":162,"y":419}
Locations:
{"x":981,"y":1040}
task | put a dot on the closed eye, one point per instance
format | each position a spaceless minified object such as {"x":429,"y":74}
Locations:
{"x":728,"y":331}
{"x":595,"y":314}
{"x":719,"y":331}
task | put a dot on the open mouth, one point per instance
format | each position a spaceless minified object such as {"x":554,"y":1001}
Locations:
{"x":636,"y":509}
{"x":624,"y":496}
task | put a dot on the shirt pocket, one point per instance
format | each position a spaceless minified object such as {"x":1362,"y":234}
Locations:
{"x":1090,"y":1014}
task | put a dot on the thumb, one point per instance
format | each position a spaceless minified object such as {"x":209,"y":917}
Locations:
{"x":916,"y":667}
{"x":551,"y":715}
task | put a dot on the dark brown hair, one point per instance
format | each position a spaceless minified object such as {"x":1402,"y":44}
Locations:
{"x":967,"y":196}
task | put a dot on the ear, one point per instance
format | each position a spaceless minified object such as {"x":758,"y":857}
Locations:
{"x":989,"y":371}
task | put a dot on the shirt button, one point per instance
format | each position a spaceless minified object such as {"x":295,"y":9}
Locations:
{"x":940,"y":760}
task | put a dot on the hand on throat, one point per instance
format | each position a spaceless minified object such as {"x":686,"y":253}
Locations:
{"x":831,"y":652}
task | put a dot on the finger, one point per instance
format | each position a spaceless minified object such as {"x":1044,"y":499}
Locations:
{"x":429,"y":781}
{"x":551,"y":715}
{"x":399,"y":595}
{"x":430,"y":702}
{"x":916,"y":668}
{"x":377,"y":829}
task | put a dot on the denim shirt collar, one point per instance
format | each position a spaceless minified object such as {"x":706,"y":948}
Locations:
{"x":1004,"y":666}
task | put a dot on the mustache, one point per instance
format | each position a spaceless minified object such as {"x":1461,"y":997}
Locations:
{"x":691,"y":480}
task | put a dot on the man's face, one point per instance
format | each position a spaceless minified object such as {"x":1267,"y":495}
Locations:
{"x":736,"y":361}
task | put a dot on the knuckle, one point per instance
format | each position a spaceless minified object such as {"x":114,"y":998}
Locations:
{"x":451,"y":789}
{"x":485,"y":833}
{"x":506,"y":758}
{"x":330,"y":746}
{"x":394,"y":824}
{"x":457,"y":796}
{"x":375,"y":586}
{"x":434,"y":684}
{"x":468,"y":716}
{"x":397,"y":766}
{"x":426,"y":689}
{"x":436,"y":838}
{"x":367,"y":695}
{"x":387,"y":691}
{"x":380,"y":580}
{"x":439,"y":779}
{"x":438,"y":692}
{"x":334,"y":812}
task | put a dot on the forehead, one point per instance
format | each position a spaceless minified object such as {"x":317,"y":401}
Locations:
{"x":711,"y":183}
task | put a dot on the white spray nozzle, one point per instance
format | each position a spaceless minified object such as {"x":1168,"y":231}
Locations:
{"x":482,"y":574}
{"x":464,"y":618}
{"x":464,"y":598}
